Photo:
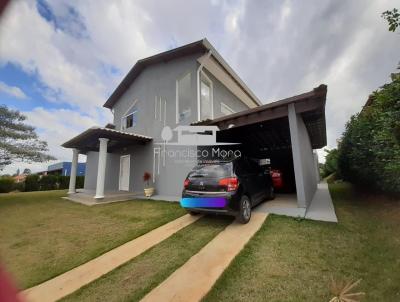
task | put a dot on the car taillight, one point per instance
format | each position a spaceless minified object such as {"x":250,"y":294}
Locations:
{"x":186,"y":183}
{"x":231,"y":183}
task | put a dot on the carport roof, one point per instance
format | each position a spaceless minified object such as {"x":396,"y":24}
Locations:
{"x":89,"y":139}
{"x":262,"y":122}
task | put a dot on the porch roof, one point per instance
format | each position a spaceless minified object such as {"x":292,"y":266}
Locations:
{"x":89,"y":139}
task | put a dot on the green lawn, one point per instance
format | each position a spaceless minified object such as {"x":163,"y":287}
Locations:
{"x":43,"y":235}
{"x":132,"y":281}
{"x":292,"y":260}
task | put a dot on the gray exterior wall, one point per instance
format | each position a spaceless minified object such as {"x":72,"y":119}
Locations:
{"x":112,"y":171}
{"x":303,"y":159}
{"x":157,"y":81}
{"x":222,"y":95}
{"x":154,"y":82}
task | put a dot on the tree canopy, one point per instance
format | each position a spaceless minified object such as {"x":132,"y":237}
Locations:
{"x":19,"y":141}
{"x":331,"y":164}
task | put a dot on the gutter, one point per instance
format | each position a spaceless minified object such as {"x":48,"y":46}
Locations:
{"x":199,"y":69}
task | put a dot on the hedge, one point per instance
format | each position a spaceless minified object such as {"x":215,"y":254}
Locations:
{"x":35,"y":182}
{"x":6,"y":184}
{"x":32,"y":183}
{"x":54,"y":182}
{"x":369,"y":152}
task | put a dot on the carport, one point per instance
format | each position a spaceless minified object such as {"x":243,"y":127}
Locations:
{"x":287,"y":132}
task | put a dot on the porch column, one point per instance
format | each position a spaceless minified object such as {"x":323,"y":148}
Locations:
{"x":72,"y":177}
{"x":101,"y":168}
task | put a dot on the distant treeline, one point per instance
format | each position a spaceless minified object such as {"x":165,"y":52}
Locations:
{"x":35,"y":182}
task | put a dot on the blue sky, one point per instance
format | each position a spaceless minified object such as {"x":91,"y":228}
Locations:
{"x":60,"y":60}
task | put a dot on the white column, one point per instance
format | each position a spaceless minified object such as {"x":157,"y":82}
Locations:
{"x":101,"y":168}
{"x":72,"y":177}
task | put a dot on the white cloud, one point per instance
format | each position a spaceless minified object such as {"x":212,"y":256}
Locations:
{"x":278,"y":48}
{"x":74,"y":69}
{"x":12,"y":90}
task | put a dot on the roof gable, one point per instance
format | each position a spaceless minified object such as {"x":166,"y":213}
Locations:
{"x":201,"y":46}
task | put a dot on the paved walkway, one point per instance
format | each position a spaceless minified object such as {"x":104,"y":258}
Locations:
{"x":321,"y":207}
{"x":72,"y":280}
{"x":283,"y":204}
{"x":194,"y":279}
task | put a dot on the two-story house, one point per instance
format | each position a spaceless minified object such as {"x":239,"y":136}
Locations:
{"x":190,"y":85}
{"x":177,"y":87}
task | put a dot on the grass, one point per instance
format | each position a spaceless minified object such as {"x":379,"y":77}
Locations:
{"x":290,"y":260}
{"x":43,"y":235}
{"x":134,"y":280}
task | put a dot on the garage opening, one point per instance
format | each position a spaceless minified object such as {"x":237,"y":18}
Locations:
{"x":286,"y":132}
{"x":266,"y":140}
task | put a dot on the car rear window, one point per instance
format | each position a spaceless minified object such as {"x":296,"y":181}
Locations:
{"x":212,"y":170}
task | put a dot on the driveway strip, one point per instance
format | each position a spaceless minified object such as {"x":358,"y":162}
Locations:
{"x":194,"y":279}
{"x":72,"y":280}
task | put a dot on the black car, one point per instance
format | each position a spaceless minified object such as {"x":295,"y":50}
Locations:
{"x":230,"y":188}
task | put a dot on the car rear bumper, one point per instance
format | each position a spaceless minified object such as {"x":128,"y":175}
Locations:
{"x":212,"y":202}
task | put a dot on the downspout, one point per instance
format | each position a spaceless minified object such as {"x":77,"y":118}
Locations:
{"x":198,"y":83}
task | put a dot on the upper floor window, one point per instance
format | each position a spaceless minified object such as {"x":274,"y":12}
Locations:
{"x":206,"y":98}
{"x":129,"y":120}
{"x":226,"y":110}
{"x":183,"y":98}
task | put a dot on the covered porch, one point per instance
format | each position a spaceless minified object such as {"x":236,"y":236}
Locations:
{"x":104,"y":141}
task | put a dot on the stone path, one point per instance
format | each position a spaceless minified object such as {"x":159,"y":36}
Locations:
{"x":193,"y":280}
{"x":74,"y":279}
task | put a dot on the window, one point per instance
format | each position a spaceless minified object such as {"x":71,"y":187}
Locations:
{"x":213,"y":171}
{"x":183,"y":98}
{"x":206,"y":98}
{"x":129,"y":120}
{"x":226,"y":110}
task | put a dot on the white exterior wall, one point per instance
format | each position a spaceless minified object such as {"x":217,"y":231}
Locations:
{"x":303,"y":159}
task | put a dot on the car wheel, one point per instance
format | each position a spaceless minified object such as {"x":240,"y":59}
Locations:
{"x":272,"y":193}
{"x":245,"y":210}
{"x":193,"y":213}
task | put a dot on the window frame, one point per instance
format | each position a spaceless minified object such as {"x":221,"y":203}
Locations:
{"x":177,"y":92}
{"x":211,"y":85}
{"x":126,"y":114}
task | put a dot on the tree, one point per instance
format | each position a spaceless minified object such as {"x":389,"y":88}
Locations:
{"x":369,"y":152}
{"x":393,"y":18}
{"x":19,"y":141}
{"x":27,"y":171}
{"x":331,"y":162}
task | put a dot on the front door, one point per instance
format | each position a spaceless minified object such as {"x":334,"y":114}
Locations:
{"x":124,"y":171}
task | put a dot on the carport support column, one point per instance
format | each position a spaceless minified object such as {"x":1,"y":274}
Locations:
{"x":296,"y":152}
{"x":72,"y":177}
{"x":101,"y":168}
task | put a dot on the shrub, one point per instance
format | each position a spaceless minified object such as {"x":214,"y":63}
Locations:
{"x":63,"y":182}
{"x":32,"y":183}
{"x":19,"y":186}
{"x":369,"y":152}
{"x":80,"y":181}
{"x":6,"y":184}
{"x":331,"y":164}
{"x":48,"y":182}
